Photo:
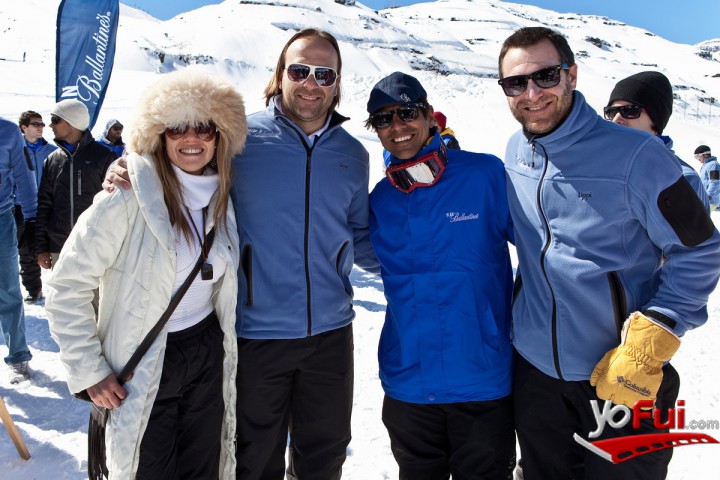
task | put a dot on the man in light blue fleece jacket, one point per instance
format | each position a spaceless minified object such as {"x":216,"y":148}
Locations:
{"x":709,"y":173}
{"x":595,"y":205}
{"x":300,"y":193}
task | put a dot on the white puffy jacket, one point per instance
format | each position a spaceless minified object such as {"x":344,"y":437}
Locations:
{"x":125,"y":244}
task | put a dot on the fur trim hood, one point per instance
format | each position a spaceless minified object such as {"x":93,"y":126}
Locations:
{"x":188,"y":96}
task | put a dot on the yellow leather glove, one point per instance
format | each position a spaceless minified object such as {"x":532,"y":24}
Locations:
{"x":633,"y":370}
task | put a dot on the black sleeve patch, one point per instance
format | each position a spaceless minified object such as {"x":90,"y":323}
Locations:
{"x":685,"y":213}
{"x":660,"y":318}
{"x":714,"y":174}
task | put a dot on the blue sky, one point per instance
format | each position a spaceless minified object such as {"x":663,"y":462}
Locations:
{"x":689,"y":21}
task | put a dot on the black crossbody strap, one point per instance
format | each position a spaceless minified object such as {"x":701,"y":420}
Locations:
{"x":174,"y":301}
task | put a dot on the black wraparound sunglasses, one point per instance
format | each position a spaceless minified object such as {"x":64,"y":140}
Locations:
{"x":407,"y":113}
{"x":628,"y":112}
{"x":546,"y":77}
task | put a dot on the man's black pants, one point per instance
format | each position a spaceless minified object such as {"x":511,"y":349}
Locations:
{"x":304,"y":386}
{"x":470,"y":440}
{"x":29,"y":268}
{"x":549,"y":411}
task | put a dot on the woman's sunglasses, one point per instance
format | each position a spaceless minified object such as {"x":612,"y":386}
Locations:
{"x":324,"y":76}
{"x":628,"y":112}
{"x":384,"y":119}
{"x":544,"y":78}
{"x":205,"y":131}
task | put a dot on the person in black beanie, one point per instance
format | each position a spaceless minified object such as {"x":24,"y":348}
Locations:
{"x":644,"y":101}
{"x":652,"y":92}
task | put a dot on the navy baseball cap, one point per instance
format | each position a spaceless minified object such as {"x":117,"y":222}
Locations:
{"x":396,"y":89}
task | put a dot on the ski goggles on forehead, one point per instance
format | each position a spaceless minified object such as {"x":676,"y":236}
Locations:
{"x":205,"y":131}
{"x":628,"y":112}
{"x":384,"y":119}
{"x":299,"y":73}
{"x":422,"y":172}
{"x":546,"y":77}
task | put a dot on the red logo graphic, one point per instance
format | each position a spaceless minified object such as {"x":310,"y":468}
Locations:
{"x":622,"y":449}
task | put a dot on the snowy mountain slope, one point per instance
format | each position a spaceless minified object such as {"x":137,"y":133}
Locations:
{"x":452,"y":46}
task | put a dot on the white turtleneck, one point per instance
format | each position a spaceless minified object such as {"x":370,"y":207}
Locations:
{"x":196,"y":304}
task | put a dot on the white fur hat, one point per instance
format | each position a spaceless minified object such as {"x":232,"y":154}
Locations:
{"x":188,"y":96}
{"x":73,"y":112}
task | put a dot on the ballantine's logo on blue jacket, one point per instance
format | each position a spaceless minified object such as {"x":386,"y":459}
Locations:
{"x":461,"y":217}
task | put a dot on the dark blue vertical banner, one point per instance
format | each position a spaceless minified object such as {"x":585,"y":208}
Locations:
{"x":86,"y":34}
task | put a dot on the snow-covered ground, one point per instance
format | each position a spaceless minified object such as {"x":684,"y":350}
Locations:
{"x":53,"y":424}
{"x":452,"y":47}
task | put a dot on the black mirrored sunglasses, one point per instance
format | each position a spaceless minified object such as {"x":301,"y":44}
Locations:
{"x":205,"y":131}
{"x":54,"y":119}
{"x":628,"y":112}
{"x":546,"y":77}
{"x":324,"y":76}
{"x":37,"y":124}
{"x":384,"y":119}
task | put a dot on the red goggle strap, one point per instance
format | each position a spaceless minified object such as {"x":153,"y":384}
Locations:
{"x":400,"y":178}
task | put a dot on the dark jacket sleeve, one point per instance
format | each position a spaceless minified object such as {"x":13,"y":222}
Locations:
{"x":107,"y":161}
{"x":453,"y":143}
{"x":44,"y":209}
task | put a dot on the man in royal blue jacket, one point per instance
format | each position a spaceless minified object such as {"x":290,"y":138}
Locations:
{"x":440,"y":226}
{"x":595,"y":206}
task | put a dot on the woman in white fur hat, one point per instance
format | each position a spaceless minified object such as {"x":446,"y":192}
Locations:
{"x":175,"y":417}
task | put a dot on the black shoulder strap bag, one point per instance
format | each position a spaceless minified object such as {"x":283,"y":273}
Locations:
{"x":97,"y":460}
